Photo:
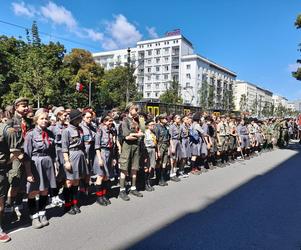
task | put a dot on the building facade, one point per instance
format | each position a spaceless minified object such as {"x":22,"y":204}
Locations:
{"x":159,"y":62}
{"x":251,"y":98}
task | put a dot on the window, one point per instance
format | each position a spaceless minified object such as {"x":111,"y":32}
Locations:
{"x":166,"y":68}
{"x":157,"y":69}
{"x":188,"y":66}
{"x":166,"y":59}
{"x":148,"y":78}
{"x":166,"y":50}
{"x":165,"y":77}
{"x":188,"y":76}
{"x":149,"y":61}
{"x":157,"y":51}
{"x":187,"y":84}
{"x":158,"y":60}
{"x":148,"y":94}
{"x":157,"y":85}
{"x":148,"y":86}
{"x":157,"y":77}
{"x":149,"y":70}
{"x":149,"y":52}
{"x":156,"y":94}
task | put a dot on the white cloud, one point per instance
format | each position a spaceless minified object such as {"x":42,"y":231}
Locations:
{"x":152,"y":32}
{"x":21,"y":9}
{"x":122,"y":32}
{"x":109,"y":44}
{"x":59,"y":15}
{"x":94,"y":35}
{"x":119,"y":32}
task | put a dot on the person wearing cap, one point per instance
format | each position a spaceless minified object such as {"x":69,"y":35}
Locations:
{"x":57,"y":130}
{"x":14,"y":133}
{"x":102,"y":165}
{"x":39,"y":149}
{"x":130,"y":155}
{"x":163,"y":139}
{"x":75,"y":164}
{"x":89,"y":132}
{"x":175,"y":147}
{"x":150,"y":142}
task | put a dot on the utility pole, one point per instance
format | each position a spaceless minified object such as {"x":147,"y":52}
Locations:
{"x":129,"y":76}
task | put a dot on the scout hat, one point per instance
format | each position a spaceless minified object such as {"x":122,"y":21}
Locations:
{"x":57,"y":110}
{"x":21,"y":99}
{"x":74,"y":114}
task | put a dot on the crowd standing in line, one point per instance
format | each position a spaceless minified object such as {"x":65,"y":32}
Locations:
{"x":69,"y":154}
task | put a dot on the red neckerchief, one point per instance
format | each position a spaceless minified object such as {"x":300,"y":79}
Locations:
{"x":45,"y":137}
{"x":23,"y":127}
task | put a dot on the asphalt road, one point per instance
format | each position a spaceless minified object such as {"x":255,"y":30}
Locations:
{"x":255,"y":204}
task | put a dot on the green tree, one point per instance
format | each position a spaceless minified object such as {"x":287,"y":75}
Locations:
{"x":36,"y":68}
{"x":266,"y":109}
{"x":203,"y":93}
{"x":243,"y":103}
{"x":211,"y":94}
{"x":297,"y":73}
{"x":79,"y":67}
{"x":115,"y":84}
{"x":254,"y":107}
{"x":231,"y":99}
{"x":172,"y":94}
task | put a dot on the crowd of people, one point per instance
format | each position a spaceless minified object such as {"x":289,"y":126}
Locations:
{"x":62,"y":153}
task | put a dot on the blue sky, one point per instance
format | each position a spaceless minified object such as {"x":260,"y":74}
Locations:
{"x":255,"y":38}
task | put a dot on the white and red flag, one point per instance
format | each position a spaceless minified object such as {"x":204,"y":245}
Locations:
{"x":79,"y":87}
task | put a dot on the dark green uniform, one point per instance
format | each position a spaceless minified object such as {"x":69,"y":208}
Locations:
{"x":129,"y":158}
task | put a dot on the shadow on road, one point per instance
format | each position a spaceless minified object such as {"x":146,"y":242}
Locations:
{"x":264,"y":213}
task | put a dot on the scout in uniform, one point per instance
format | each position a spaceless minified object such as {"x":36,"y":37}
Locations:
{"x":39,"y":150}
{"x":102,"y":165}
{"x":185,"y":147}
{"x":222,"y":140}
{"x":4,"y":163}
{"x":75,"y":164}
{"x":162,"y":135}
{"x":14,"y":134}
{"x":150,"y":142}
{"x":175,"y":147}
{"x":195,"y":133}
{"x":57,"y":131}
{"x":206,"y":126}
{"x":88,"y":138}
{"x":129,"y":158}
{"x":232,"y":140}
{"x":244,"y":139}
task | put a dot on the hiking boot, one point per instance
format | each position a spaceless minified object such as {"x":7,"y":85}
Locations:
{"x":148,"y":188}
{"x":163,"y":183}
{"x":124,"y":196}
{"x":36,"y":224}
{"x":70,"y":211}
{"x":43,"y":220}
{"x":175,"y":179}
{"x":136,"y":193}
{"x":4,"y":237}
{"x":76,"y":209}
{"x":101,"y":201}
{"x":107,"y":200}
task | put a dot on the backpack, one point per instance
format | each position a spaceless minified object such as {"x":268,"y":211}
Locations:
{"x":4,"y":150}
{"x":194,"y":135}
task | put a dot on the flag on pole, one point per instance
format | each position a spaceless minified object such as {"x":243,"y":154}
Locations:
{"x":79,"y":87}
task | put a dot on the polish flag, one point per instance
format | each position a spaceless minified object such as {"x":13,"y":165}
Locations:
{"x":79,"y":87}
